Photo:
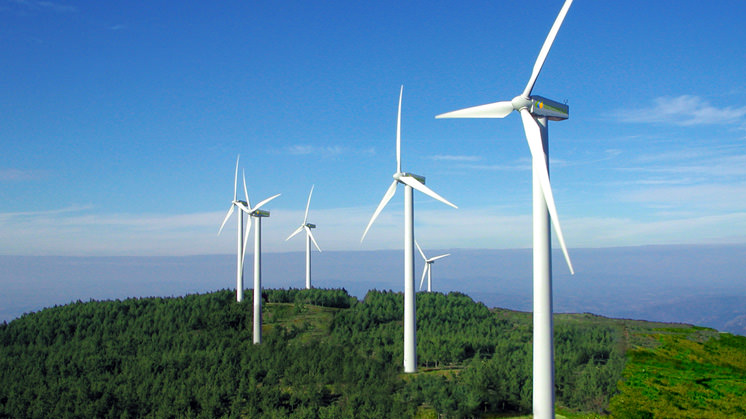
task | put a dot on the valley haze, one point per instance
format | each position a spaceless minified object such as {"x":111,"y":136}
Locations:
{"x":696,"y":284}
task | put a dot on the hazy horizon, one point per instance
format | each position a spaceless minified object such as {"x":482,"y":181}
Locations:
{"x":704,"y":285}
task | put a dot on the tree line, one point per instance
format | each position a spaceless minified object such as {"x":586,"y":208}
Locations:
{"x":325,"y":354}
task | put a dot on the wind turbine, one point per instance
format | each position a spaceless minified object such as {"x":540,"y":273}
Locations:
{"x":410,"y":181}
{"x":428,"y":267}
{"x":309,"y":237}
{"x":257,"y":214}
{"x":241,"y":250}
{"x":535,"y":113}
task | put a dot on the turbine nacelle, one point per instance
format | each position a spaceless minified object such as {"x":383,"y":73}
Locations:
{"x":543,"y":107}
{"x":309,"y":225}
{"x":400,"y":175}
{"x":259,"y":213}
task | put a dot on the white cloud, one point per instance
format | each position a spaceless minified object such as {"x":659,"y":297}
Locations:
{"x":323,"y":151}
{"x":685,"y":110}
{"x":681,"y":229}
{"x":45,"y":5}
{"x":16,"y":175}
{"x":80,"y":231}
{"x":447,"y":157}
{"x":707,"y":197}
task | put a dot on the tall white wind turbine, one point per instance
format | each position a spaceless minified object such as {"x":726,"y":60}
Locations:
{"x":256,"y":214}
{"x":428,"y":270}
{"x":535,"y":113}
{"x":309,"y":238}
{"x":241,"y":250}
{"x":410,"y":181}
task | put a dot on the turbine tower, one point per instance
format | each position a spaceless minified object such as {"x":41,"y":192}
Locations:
{"x":256,"y":214}
{"x":410,"y":181}
{"x":428,"y":267}
{"x":309,"y":237}
{"x":239,"y":244}
{"x":535,"y":113}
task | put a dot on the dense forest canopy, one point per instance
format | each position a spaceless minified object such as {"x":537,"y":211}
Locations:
{"x":325,"y":354}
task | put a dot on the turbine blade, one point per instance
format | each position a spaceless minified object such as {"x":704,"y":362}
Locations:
{"x":398,"y":133}
{"x":386,"y":198}
{"x":313,"y":239}
{"x":297,"y":230}
{"x":424,"y":273}
{"x":308,"y":204}
{"x":546,"y":47}
{"x":225,"y":220}
{"x":420,"y":249}
{"x":414,"y":183}
{"x":245,"y":239}
{"x":235,"y":178}
{"x":245,"y":193}
{"x":490,"y":110}
{"x":433,"y":259}
{"x":264,"y":202}
{"x":539,"y":166}
{"x":242,"y":207}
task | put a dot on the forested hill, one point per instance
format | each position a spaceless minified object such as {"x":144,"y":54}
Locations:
{"x":327,"y":355}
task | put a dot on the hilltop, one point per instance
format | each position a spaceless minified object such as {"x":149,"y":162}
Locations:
{"x":326,"y":354}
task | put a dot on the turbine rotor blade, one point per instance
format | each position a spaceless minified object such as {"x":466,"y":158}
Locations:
{"x":308,"y":204}
{"x":539,"y":166}
{"x":264,"y":202}
{"x":235,"y":179}
{"x":297,"y":230}
{"x":546,"y":47}
{"x":424,"y":273}
{"x":420,"y":249}
{"x":225,"y":220}
{"x":246,"y":239}
{"x":416,"y":184}
{"x":386,"y":198}
{"x":246,"y":193}
{"x":490,"y":110}
{"x":398,"y":133}
{"x":313,"y":239}
{"x":433,"y":259}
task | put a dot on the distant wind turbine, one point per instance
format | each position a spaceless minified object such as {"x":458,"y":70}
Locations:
{"x":240,"y":244}
{"x":535,"y":113}
{"x":309,"y":237}
{"x":256,"y":214}
{"x":410,"y":181}
{"x":428,"y":270}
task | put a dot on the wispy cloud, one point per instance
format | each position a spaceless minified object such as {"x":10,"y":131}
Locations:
{"x":17,"y":175}
{"x":323,"y":151}
{"x":45,"y":6}
{"x":456,"y":158}
{"x":694,"y":163}
{"x":684,"y":110}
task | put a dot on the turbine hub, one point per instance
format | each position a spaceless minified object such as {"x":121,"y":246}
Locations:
{"x":520,"y":102}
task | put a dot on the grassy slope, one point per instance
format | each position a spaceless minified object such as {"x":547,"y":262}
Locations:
{"x":682,"y":372}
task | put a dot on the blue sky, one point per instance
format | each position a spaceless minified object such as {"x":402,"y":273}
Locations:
{"x":120,"y":122}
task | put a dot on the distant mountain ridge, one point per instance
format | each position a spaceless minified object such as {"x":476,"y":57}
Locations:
{"x":703,"y":285}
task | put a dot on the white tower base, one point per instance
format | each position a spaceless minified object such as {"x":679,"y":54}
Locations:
{"x":410,"y":325}
{"x":258,"y":281}
{"x":308,"y":261}
{"x":239,"y":258}
{"x":543,"y":348}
